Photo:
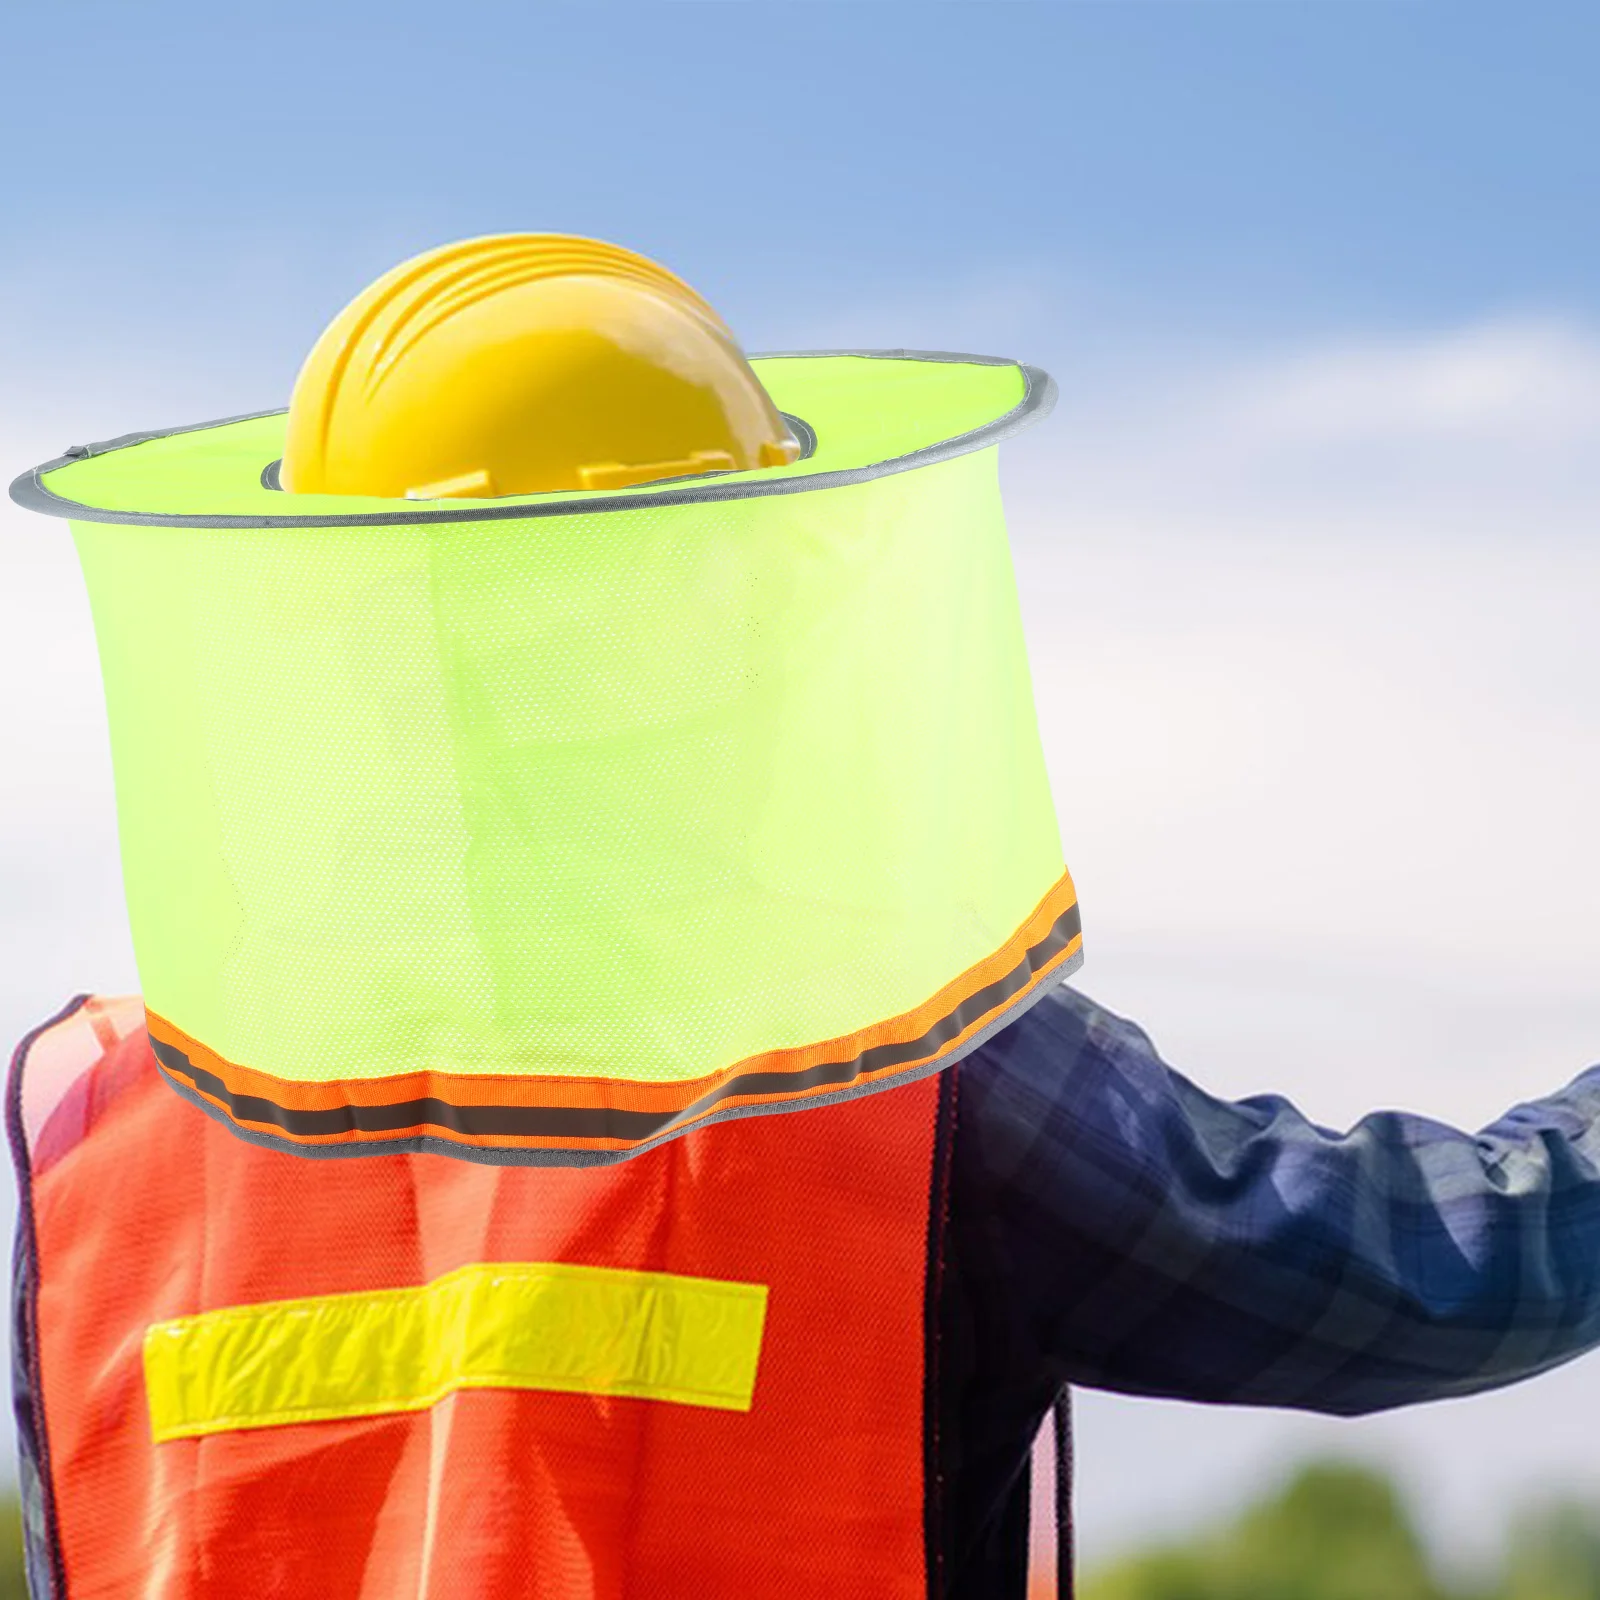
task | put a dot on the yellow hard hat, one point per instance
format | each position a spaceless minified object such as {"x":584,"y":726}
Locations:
{"x":525,"y":363}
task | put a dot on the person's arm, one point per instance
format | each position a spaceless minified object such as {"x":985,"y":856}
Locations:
{"x":1153,"y":1239}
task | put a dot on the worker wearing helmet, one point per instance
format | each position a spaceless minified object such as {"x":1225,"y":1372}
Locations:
{"x":733,"y":1352}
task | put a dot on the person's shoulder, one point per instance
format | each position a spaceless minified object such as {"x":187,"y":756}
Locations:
{"x":1065,"y":1024}
{"x":1067,"y":1066}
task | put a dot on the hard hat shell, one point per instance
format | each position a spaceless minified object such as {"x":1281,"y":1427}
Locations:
{"x":543,"y":829}
{"x":520,"y":364}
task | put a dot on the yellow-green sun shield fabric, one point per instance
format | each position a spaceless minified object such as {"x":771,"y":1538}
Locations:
{"x":628,"y":795}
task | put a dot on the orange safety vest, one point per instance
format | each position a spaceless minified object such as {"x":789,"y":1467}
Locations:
{"x":705,"y":1371}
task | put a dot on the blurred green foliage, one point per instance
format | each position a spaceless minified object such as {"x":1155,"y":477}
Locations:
{"x":1554,"y":1554}
{"x":13,"y":1585}
{"x":1334,"y":1532}
{"x":1342,"y":1532}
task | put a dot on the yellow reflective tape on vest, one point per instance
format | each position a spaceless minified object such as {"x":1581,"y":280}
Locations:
{"x":541,"y":1325}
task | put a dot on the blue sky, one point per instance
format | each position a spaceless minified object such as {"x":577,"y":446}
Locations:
{"x":1306,"y":553}
{"x":1194,"y":168}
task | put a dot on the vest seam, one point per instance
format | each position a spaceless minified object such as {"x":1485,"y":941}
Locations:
{"x":1066,"y":1541}
{"x":26,"y":1318}
{"x":938,"y":1221}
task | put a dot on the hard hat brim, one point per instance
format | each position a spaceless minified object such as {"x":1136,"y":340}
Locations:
{"x":218,"y":474}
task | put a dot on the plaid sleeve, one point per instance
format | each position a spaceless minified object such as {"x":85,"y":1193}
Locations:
{"x":1150,"y":1238}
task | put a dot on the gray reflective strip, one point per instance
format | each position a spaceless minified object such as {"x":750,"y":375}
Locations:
{"x":894,"y":355}
{"x":1039,"y":396}
{"x":123,"y":441}
{"x":803,"y":434}
{"x":536,"y":1156}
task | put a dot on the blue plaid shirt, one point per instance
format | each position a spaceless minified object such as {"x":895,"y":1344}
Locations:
{"x":1113,"y":1226}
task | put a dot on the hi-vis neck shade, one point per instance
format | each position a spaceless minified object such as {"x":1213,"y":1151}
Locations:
{"x":542,"y":830}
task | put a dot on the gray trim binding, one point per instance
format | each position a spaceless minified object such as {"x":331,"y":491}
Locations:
{"x":961,"y":358}
{"x":124,"y":441}
{"x":465,"y":1119}
{"x":518,"y":1156}
{"x":799,"y":429}
{"x":1038,"y":398}
{"x":803,"y":433}
{"x":41,"y":1521}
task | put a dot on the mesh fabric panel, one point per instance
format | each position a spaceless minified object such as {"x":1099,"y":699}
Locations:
{"x":629,"y":795}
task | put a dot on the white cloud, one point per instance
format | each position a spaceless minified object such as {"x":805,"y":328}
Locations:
{"x":62,"y":924}
{"x":1308,"y":707}
{"x":1529,"y":381}
{"x":1319,"y":682}
{"x":1490,"y":431}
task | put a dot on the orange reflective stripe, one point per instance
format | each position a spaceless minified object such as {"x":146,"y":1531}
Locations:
{"x":539,"y":1112}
